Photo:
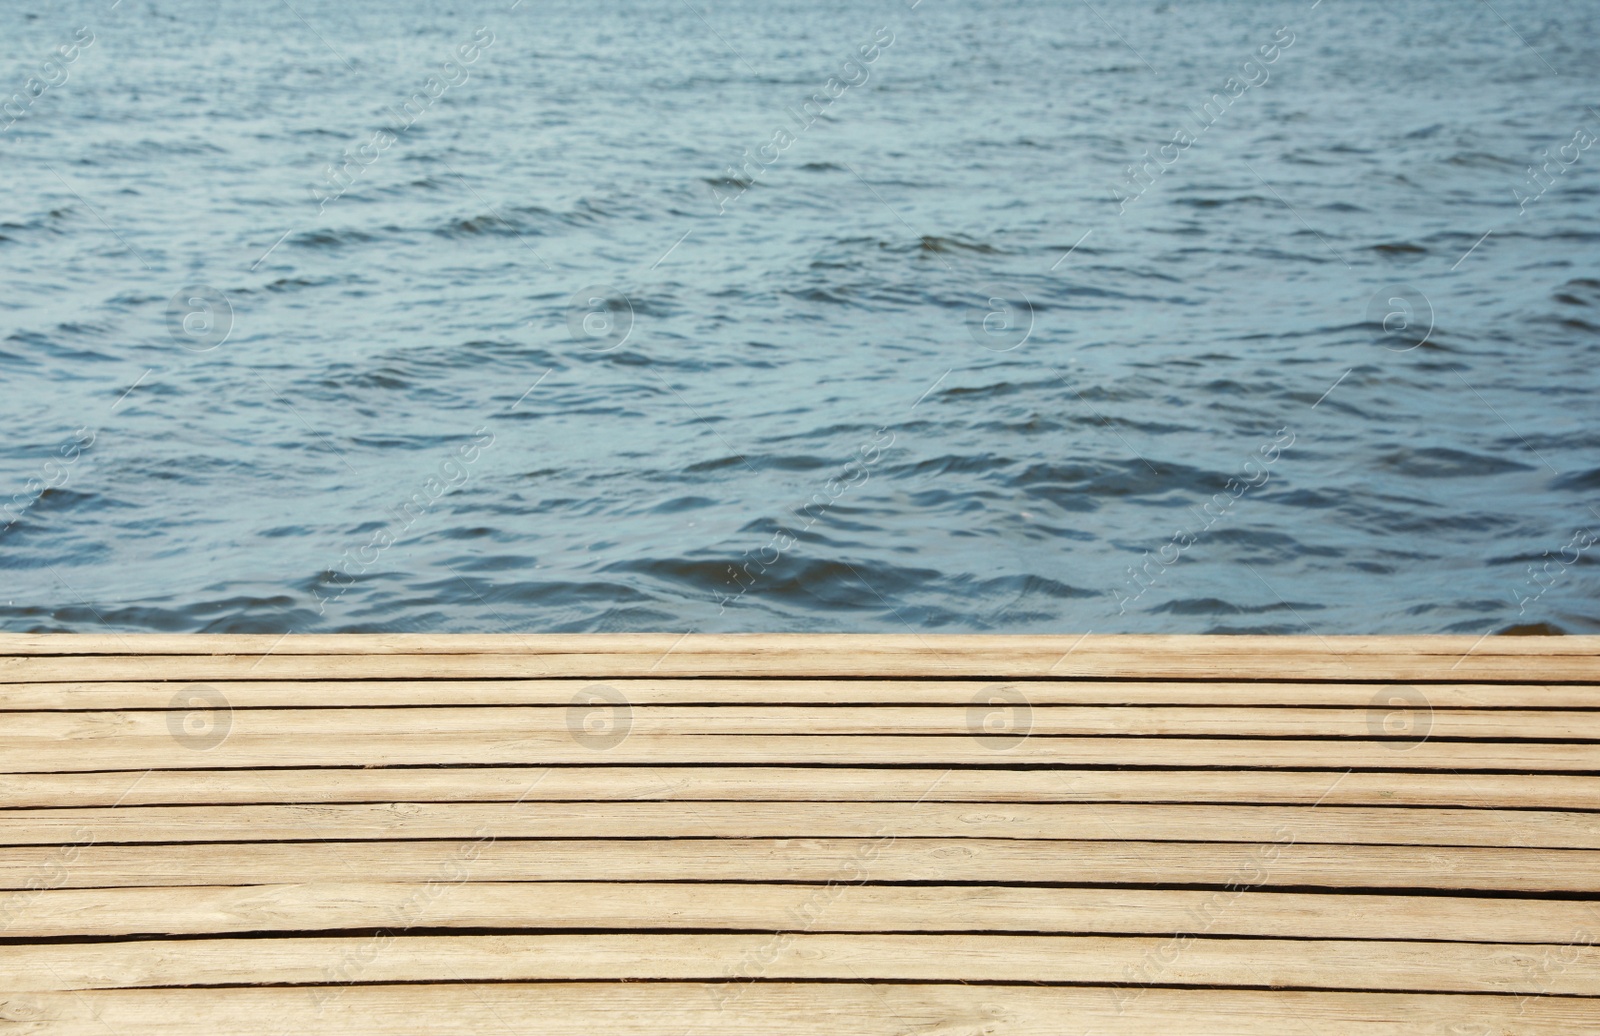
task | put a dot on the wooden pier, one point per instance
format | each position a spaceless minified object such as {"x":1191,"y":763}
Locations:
{"x":678,"y":835}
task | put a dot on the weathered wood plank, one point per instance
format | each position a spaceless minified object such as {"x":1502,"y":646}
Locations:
{"x":1427,"y":967}
{"x":993,"y":861}
{"x":1544,"y":829}
{"x":43,"y":755}
{"x":449,"y":901}
{"x":783,"y":1009}
{"x":1411,"y":723}
{"x":821,"y":784}
{"x":599,"y":656}
{"x":1288,"y":803}
{"x":768,"y":690}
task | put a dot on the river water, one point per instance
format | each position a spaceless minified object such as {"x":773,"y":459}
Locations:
{"x":697,"y":314}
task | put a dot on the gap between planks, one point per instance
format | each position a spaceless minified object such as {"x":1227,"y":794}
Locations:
{"x":1413,"y":967}
{"x":1279,"y":825}
{"x":841,"y":906}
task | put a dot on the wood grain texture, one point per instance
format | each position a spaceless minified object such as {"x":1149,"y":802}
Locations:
{"x":932,"y":835}
{"x":793,"y":784}
{"x":452,"y":900}
{"x":262,"y":751}
{"x":252,"y":692}
{"x":810,"y":859}
{"x":1433,"y":967}
{"x":499,"y":722}
{"x":783,"y":1009}
{"x":1279,"y":825}
{"x":599,"y":656}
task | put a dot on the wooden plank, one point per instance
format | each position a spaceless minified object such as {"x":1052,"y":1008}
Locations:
{"x":818,"y":784}
{"x":1428,"y":967}
{"x":844,"y":906}
{"x":366,"y":693}
{"x":601,"y":656}
{"x":992,"y":861}
{"x":1358,"y":825}
{"x":834,"y":789}
{"x":42,"y":755}
{"x":1036,"y":720}
{"x":783,"y":1009}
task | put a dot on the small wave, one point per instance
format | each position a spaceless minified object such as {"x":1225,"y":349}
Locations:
{"x":1398,"y":249}
{"x":331,"y":239}
{"x":1442,"y":462}
{"x":1482,"y":160}
{"x":1580,"y":481}
{"x":1581,"y":291}
{"x":1217,"y":606}
{"x":488,"y":223}
{"x":931,"y":243}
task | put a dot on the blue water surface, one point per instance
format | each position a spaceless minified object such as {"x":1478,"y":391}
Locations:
{"x":967,"y":315}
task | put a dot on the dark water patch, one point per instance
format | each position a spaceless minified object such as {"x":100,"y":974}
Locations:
{"x":1033,"y":425}
{"x":1532,"y":629}
{"x":1483,"y":160}
{"x":1274,"y":629}
{"x":1575,"y":324}
{"x":381,"y":378}
{"x":284,"y":285}
{"x":952,"y":464}
{"x":724,"y":184}
{"x":682,"y":504}
{"x":1019,"y":587}
{"x":286,"y":532}
{"x":1216,"y":606}
{"x":1581,"y":291}
{"x":486,"y":224}
{"x":327,"y":239}
{"x":60,"y":500}
{"x":1313,"y":499}
{"x":1400,"y":250}
{"x":1207,"y":202}
{"x":1445,"y":462}
{"x":829,"y":585}
{"x":955,"y":243}
{"x":719,"y":464}
{"x":1085,"y":488}
{"x":1578,"y":482}
{"x":1425,"y":521}
{"x":33,"y":347}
